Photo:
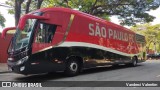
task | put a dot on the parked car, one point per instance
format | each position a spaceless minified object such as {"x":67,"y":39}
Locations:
{"x":153,"y":56}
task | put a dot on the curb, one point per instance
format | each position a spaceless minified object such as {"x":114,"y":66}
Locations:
{"x":3,"y":68}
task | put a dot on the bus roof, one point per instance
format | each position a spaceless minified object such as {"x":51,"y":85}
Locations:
{"x":76,"y":12}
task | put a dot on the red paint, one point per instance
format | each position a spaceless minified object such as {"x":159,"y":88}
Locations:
{"x":23,"y":20}
{"x":84,"y":28}
{"x":3,"y":48}
{"x":59,"y":18}
{"x":79,"y":31}
{"x":5,"y":31}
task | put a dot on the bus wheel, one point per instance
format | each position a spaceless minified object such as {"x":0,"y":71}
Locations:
{"x":134,"y":62}
{"x":72,"y":67}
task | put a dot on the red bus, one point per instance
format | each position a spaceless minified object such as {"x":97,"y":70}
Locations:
{"x":62,"y":39}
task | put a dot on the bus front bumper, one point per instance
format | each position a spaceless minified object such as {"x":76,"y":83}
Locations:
{"x":36,"y":68}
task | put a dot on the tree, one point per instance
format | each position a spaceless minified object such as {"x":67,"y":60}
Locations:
{"x":129,"y":12}
{"x":2,"y":20}
{"x":23,"y":6}
{"x":151,"y":33}
{"x":27,"y":6}
{"x":39,"y":3}
{"x":17,"y":10}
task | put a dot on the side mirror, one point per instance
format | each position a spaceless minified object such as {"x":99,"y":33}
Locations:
{"x":5,"y":31}
{"x":24,"y":18}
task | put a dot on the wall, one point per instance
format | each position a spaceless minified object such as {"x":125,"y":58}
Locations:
{"x":4,"y":43}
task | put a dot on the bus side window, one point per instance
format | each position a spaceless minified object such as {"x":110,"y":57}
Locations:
{"x":45,"y":33}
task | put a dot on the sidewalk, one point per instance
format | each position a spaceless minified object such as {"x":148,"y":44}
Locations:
{"x":3,"y":67}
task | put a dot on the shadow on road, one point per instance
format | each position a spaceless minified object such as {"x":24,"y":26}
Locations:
{"x":60,"y":75}
{"x":103,"y":69}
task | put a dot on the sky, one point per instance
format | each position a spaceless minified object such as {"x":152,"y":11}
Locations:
{"x":10,"y":18}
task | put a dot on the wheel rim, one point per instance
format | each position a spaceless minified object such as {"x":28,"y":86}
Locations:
{"x":135,"y":63}
{"x":73,"y":66}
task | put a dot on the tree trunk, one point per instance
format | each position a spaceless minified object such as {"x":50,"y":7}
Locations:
{"x":39,"y":4}
{"x":17,"y":10}
{"x":66,"y":1}
{"x":27,"y":6}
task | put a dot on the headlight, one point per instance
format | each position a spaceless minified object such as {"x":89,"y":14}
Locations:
{"x":21,"y":61}
{"x":22,"y":68}
{"x":10,"y":59}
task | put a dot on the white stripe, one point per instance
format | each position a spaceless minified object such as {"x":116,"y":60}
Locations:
{"x":83,"y":44}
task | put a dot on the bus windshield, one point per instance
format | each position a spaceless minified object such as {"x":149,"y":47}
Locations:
{"x":22,"y":37}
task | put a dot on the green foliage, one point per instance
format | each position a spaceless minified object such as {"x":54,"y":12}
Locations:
{"x":2,"y":20}
{"x":11,"y":4}
{"x":129,"y":12}
{"x":12,"y":11}
{"x":151,"y":33}
{"x":86,"y":6}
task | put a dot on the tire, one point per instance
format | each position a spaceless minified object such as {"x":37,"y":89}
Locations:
{"x":115,"y":65}
{"x":134,"y":62}
{"x":72,"y":67}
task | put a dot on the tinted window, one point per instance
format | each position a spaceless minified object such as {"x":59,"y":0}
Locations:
{"x":45,"y":33}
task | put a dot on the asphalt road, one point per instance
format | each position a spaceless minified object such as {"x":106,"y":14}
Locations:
{"x":146,"y":71}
